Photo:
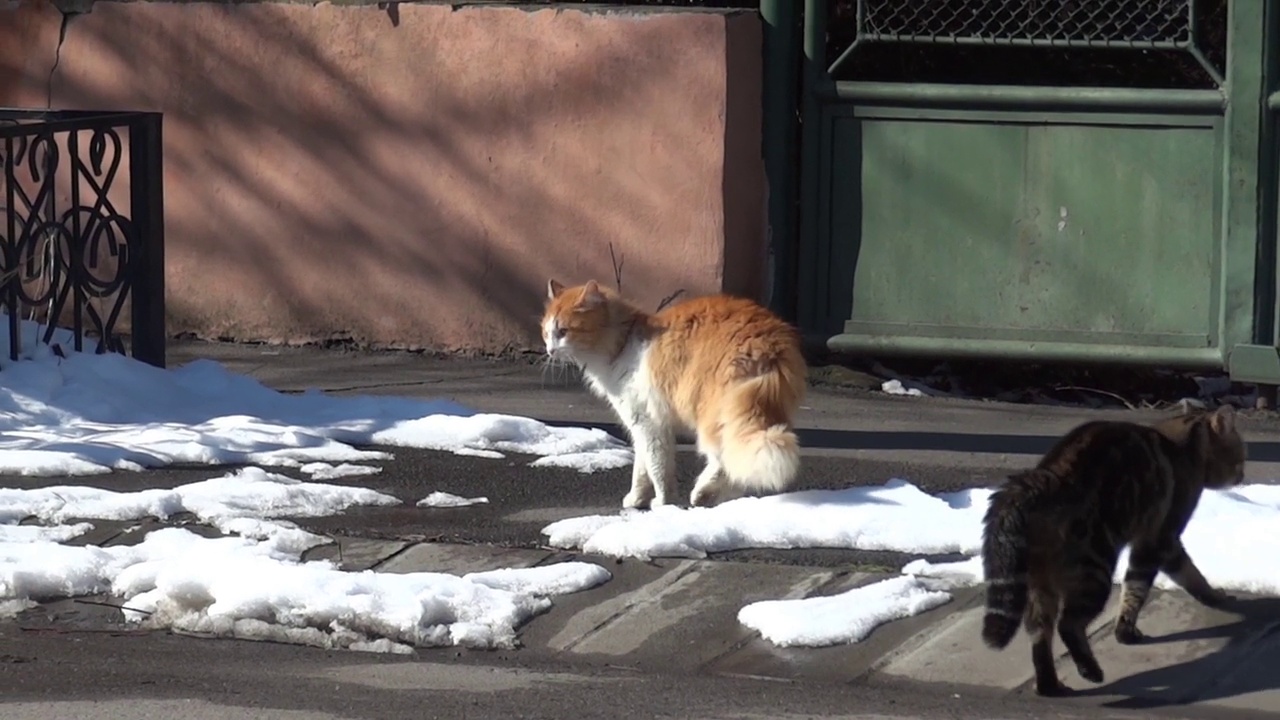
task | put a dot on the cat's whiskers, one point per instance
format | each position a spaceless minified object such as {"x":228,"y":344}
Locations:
{"x":560,"y":367}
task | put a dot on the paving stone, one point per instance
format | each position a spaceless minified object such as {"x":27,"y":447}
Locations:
{"x":103,"y":532}
{"x":460,"y":559}
{"x":137,"y":532}
{"x":1252,"y":683}
{"x":355,"y":554}
{"x":757,"y":657}
{"x":1192,"y":654}
{"x":595,"y":618}
{"x":951,"y":649}
{"x":1179,"y":631}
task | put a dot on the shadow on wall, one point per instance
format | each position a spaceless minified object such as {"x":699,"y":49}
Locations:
{"x":337,"y":172}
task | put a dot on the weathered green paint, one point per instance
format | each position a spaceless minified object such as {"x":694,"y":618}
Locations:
{"x":781,"y":76}
{"x":1080,"y":224}
{"x":1031,"y":351}
{"x":1027,"y":98}
{"x":811,"y":302}
{"x":1267,"y":319}
{"x":1240,"y":236}
{"x":1028,"y":230}
{"x":1255,"y":363}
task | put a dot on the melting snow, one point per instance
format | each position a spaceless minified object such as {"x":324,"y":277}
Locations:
{"x":448,"y":500}
{"x":87,"y":414}
{"x":252,"y":584}
{"x":900,"y":517}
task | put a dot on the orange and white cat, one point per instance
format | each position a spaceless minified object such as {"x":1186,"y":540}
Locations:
{"x":722,"y":366}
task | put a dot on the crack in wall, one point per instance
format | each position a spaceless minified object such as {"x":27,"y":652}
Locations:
{"x":57,"y":58}
{"x":69,"y":9}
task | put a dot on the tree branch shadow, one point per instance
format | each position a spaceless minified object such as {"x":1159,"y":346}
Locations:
{"x":310,"y":187}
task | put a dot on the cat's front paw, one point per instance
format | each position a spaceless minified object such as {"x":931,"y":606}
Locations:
{"x":639,"y":499}
{"x":1090,"y":670}
{"x":701,"y":497}
{"x":1051,"y":688}
{"x":1129,"y":634}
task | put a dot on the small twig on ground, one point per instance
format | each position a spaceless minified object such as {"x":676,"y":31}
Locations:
{"x":617,"y":267}
{"x":112,"y":605}
{"x":1078,"y":388}
{"x":192,"y":633}
{"x":667,"y":300}
{"x":114,"y":632}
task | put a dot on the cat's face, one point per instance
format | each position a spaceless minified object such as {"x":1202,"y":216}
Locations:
{"x":576,"y":320}
{"x":1227,"y":450}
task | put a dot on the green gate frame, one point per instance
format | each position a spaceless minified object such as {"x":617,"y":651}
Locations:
{"x":822,"y":270}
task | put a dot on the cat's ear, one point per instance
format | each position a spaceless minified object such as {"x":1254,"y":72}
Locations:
{"x":591,"y":294}
{"x":554,"y":289}
{"x":1223,"y":420}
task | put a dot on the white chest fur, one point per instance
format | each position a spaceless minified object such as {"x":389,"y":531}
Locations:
{"x":628,"y":386}
{"x":626,"y":381}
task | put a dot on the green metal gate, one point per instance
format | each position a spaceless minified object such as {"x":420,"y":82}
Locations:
{"x":1050,"y":180}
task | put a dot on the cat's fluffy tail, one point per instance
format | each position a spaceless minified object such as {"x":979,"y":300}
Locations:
{"x":759,"y":449}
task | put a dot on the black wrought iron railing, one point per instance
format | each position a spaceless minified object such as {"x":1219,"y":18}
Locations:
{"x":82,"y":235}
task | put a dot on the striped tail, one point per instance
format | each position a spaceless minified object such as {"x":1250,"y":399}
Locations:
{"x":1004,"y":557}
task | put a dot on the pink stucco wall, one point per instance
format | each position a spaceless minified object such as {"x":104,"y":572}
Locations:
{"x":332,"y":171}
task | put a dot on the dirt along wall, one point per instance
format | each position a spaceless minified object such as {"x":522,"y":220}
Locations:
{"x":410,"y":175}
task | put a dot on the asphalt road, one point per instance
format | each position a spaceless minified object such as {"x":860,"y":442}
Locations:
{"x":58,"y":675}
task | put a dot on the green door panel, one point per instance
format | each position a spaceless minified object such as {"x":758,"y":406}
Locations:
{"x":1063,"y":230}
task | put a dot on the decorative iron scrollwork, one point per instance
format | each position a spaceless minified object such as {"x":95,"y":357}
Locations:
{"x":71,"y":240}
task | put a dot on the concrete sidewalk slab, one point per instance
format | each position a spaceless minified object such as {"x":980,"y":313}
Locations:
{"x":460,"y":559}
{"x":682,"y":618}
{"x":758,"y":657}
{"x":355,"y":553}
{"x":1193,"y":655}
{"x":103,"y":532}
{"x":1179,"y":630}
{"x":604,"y":628}
{"x":952,"y":651}
{"x":1253,"y":684}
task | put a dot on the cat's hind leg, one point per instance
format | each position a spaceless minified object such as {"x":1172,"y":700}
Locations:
{"x":1042,"y":611}
{"x":1087,"y":599}
{"x":712,"y":485}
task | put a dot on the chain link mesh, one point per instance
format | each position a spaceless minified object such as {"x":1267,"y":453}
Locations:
{"x":1064,"y":23}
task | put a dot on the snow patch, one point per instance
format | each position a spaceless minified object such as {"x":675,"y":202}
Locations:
{"x":440,"y":499}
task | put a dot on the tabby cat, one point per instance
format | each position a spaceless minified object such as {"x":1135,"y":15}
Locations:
{"x":1052,"y":535}
{"x":722,"y":366}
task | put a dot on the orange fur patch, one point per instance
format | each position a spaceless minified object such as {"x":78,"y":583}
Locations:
{"x":725,"y":366}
